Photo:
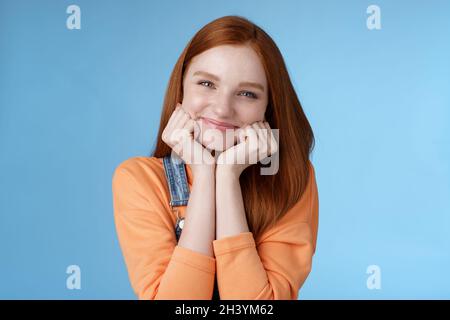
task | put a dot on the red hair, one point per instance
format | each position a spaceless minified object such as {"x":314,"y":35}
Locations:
{"x":264,"y":205}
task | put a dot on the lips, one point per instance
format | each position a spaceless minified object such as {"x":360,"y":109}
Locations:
{"x":218,"y":124}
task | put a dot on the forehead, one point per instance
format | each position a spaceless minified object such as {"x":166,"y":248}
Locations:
{"x":230,"y":63}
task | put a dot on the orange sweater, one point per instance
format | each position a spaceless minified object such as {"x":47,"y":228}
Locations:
{"x":274,"y":268}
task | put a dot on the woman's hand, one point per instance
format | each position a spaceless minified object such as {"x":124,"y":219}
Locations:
{"x":180,"y":134}
{"x":255,"y":143}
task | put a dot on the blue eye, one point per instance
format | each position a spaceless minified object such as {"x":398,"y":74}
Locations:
{"x":209,"y":84}
{"x":252,"y":95}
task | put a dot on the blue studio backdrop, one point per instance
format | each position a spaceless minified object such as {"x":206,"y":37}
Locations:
{"x":76,"y":100}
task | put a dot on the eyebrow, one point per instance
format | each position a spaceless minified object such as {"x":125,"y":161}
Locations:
{"x":243,"y":84}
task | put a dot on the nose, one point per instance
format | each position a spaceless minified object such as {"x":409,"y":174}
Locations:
{"x":223,"y":108}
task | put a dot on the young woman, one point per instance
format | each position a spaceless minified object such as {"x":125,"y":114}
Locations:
{"x":245,"y":234}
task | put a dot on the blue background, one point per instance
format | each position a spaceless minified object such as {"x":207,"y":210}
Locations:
{"x":76,"y":103}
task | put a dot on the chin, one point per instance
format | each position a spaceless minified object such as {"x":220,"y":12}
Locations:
{"x":217,"y":147}
{"x":216,"y":140}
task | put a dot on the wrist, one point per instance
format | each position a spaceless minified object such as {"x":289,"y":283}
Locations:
{"x":227,"y":171}
{"x":204,"y":170}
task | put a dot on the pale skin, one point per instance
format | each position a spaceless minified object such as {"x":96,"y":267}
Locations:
{"x":226,"y":84}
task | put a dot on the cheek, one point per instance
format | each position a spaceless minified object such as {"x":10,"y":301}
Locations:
{"x":194,"y":103}
{"x":252,"y":114}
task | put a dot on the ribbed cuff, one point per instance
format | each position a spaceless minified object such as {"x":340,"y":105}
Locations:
{"x":194,"y":259}
{"x":232,"y":243}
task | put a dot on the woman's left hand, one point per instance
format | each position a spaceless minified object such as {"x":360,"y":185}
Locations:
{"x":255,"y":143}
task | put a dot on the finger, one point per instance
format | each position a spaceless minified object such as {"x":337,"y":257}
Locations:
{"x":183,"y":110}
{"x":178,"y":149}
{"x":260,"y":129}
{"x":257,"y":125}
{"x":180,"y":126}
{"x":262,"y":139}
{"x":181,"y":119}
{"x":252,"y":145}
{"x":174,"y":117}
{"x":241,"y":135}
{"x":179,"y":111}
{"x":252,"y":136}
{"x":273,"y":142}
{"x":177,"y":132}
{"x":243,"y":132}
{"x":191,"y":115}
{"x":197,"y":130}
{"x":189,"y":126}
{"x":268,"y":134}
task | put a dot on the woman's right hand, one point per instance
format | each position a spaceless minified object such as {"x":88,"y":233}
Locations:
{"x":180,"y":134}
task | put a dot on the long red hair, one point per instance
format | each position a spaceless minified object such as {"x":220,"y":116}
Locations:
{"x":267,"y":198}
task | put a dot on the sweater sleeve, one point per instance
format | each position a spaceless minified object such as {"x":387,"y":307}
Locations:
{"x":157,"y":267}
{"x":276,"y":267}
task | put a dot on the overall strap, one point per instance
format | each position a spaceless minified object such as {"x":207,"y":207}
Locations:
{"x":175,"y":170}
{"x":178,"y":186}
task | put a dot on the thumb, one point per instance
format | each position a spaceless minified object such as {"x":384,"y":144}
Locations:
{"x":196,"y":130}
{"x":241,"y":135}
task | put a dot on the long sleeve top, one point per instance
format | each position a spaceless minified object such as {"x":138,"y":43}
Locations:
{"x":275,"y":267}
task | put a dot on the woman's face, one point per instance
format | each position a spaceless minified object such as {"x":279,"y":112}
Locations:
{"x":225,"y":84}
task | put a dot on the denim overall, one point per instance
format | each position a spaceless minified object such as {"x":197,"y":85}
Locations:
{"x":175,"y":170}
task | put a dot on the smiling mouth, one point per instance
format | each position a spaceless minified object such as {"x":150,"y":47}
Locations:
{"x":218,"y":125}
